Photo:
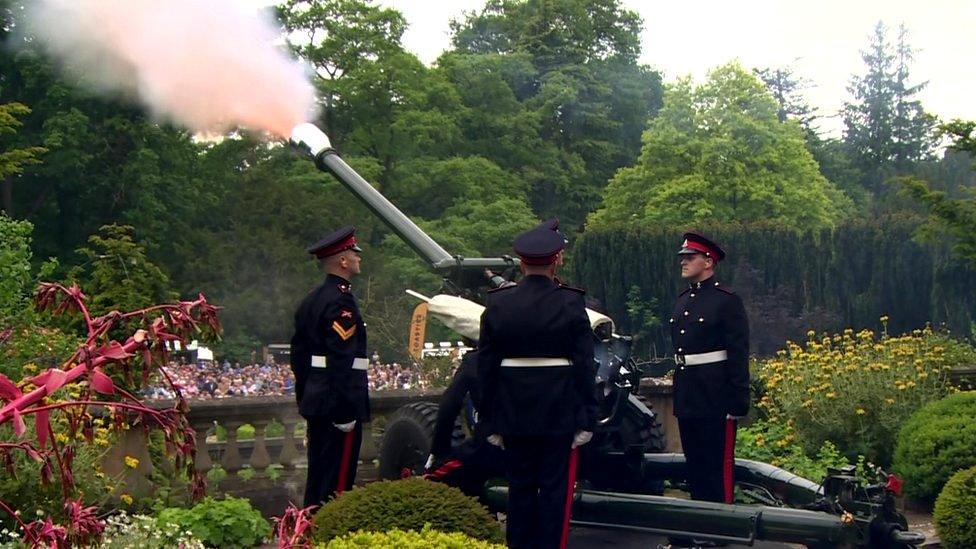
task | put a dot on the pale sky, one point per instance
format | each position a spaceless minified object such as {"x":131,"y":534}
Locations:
{"x":822,"y":41}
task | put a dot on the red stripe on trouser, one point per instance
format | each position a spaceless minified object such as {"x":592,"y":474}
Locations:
{"x":728,"y":459}
{"x":570,"y":484}
{"x":344,"y":465}
{"x":443,"y":470}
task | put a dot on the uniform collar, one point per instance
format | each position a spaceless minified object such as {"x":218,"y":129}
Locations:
{"x":707,"y":283}
{"x":538,"y":279}
{"x":337,"y":279}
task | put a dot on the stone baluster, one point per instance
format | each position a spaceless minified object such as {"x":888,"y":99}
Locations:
{"x":259,"y":456}
{"x":288,"y":451}
{"x":232,"y":461}
{"x":202,"y":428}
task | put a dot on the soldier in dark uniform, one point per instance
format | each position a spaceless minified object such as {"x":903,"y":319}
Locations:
{"x":537,"y":372}
{"x":328,"y":357}
{"x":469,"y":465}
{"x":710,"y":334}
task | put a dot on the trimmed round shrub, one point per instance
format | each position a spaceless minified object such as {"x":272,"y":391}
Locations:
{"x":936,"y":441}
{"x":955,"y":511}
{"x":408,"y":504}
{"x":409,"y":539}
{"x":226,"y":523}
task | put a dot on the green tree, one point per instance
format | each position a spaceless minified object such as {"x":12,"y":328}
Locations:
{"x":13,"y":158}
{"x":117,"y":275}
{"x":787,"y":89}
{"x":886,"y":129}
{"x":717,"y":152}
{"x":950,"y":217}
{"x":585,"y":92}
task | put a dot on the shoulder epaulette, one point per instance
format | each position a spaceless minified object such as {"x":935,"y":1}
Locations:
{"x":500,"y":288}
{"x":725,"y":289}
{"x":573,"y":288}
{"x":683,"y":292}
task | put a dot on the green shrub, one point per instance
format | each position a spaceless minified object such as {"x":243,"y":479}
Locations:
{"x":228,"y":523}
{"x":934,"y":443}
{"x":407,"y":504}
{"x":856,"y":390}
{"x":955,"y":511}
{"x":776,"y":444}
{"x":410,"y":539}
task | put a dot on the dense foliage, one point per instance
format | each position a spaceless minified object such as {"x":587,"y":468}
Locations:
{"x":410,"y":539}
{"x":719,"y":151}
{"x":407,"y":504}
{"x":775,"y":443}
{"x":934,"y":443}
{"x":856,"y":390}
{"x":229,"y":522}
{"x":955,"y":511}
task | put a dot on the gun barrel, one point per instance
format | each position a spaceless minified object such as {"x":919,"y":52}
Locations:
{"x":312,"y":141}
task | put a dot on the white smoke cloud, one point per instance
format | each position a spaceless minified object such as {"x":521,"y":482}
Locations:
{"x":209,"y":65}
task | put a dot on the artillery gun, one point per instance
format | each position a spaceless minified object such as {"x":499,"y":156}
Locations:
{"x":624,"y":468}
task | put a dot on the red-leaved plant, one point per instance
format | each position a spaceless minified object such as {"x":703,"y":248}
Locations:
{"x":294,"y":528}
{"x":88,"y":369}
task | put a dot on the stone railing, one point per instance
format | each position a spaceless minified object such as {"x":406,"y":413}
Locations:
{"x":271,"y":470}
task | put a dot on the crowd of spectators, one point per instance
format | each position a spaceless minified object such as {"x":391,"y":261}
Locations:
{"x":211,"y":379}
{"x":214,"y":379}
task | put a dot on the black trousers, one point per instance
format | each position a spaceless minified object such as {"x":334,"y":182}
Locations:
{"x":537,"y":469}
{"x":709,"y":447}
{"x":325,"y":445}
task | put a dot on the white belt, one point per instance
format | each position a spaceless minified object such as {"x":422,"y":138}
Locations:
{"x":702,"y":358}
{"x":318,"y":361}
{"x":535,"y":361}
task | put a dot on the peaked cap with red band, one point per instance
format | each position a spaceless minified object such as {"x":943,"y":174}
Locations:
{"x":698,"y":244}
{"x":539,"y":246}
{"x":339,"y":241}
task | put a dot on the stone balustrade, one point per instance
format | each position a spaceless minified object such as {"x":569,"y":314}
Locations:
{"x":249,"y":463}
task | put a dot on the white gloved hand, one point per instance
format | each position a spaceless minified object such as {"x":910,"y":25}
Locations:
{"x":345,"y":427}
{"x":430,"y":462}
{"x":496,"y":440}
{"x":581,"y":438}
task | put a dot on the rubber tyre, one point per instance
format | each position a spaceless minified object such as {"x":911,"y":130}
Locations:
{"x":407,"y":439}
{"x":638,"y":427}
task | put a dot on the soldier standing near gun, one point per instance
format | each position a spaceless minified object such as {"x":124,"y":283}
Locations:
{"x":710,"y":334}
{"x":536,"y":371}
{"x":328,"y":357}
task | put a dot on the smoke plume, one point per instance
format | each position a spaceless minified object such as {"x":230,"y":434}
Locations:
{"x":209,"y":65}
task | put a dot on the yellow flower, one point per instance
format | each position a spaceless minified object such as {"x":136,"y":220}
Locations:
{"x":831,"y":395}
{"x":811,"y":333}
{"x":860,"y":411}
{"x":884,"y":319}
{"x":131,"y":462}
{"x":807,"y":403}
{"x":889,"y":401}
{"x":61,"y":437}
{"x":126,"y":499}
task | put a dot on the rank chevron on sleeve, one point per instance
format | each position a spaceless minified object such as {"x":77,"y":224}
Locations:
{"x":344,"y":333}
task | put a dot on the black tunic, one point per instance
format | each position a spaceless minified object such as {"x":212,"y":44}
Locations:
{"x":709,"y":317}
{"x":328,"y":324}
{"x":542,"y":319}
